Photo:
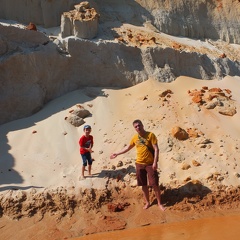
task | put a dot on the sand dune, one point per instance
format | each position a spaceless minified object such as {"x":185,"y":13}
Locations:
{"x":40,"y":154}
{"x":45,"y":145}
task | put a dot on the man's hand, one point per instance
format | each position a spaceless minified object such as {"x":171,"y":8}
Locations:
{"x":113,"y":155}
{"x":155,"y":166}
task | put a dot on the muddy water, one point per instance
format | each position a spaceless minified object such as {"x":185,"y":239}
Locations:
{"x":220,"y":228}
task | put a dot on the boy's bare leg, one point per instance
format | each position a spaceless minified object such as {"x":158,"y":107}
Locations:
{"x":83,"y":169}
{"x":89,"y":169}
{"x":146,"y":197}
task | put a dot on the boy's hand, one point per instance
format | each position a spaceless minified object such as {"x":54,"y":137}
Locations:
{"x":89,"y":149}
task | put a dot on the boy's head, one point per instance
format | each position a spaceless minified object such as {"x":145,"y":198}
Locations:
{"x":87,"y":128}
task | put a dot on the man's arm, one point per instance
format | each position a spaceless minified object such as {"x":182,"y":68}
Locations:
{"x":156,"y":154}
{"x":124,"y":150}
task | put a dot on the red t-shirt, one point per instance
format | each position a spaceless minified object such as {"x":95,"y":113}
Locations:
{"x":85,"y":142}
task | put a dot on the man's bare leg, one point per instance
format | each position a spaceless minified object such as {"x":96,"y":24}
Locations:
{"x":158,"y":196}
{"x":146,"y":196}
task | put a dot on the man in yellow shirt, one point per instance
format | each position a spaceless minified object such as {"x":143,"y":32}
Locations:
{"x":146,"y":162}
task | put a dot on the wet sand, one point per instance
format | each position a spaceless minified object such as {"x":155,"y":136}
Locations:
{"x":226,"y":227}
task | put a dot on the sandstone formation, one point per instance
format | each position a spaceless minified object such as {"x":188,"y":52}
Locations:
{"x":81,"y":22}
{"x":65,"y":68}
{"x":199,"y":19}
{"x":214,"y":98}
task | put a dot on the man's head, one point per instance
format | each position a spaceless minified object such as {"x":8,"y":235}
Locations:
{"x":137,"y":124}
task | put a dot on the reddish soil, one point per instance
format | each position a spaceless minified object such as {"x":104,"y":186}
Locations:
{"x":99,"y":211}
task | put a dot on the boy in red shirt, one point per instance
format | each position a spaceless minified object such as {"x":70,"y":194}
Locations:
{"x":86,"y":144}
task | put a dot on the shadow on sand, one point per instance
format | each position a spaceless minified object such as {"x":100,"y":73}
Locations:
{"x":192,"y":192}
{"x":118,"y":174}
{"x":8,"y":175}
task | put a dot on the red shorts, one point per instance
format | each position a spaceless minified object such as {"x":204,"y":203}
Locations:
{"x":146,"y":175}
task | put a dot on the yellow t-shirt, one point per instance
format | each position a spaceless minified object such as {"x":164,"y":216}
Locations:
{"x":144,"y":156}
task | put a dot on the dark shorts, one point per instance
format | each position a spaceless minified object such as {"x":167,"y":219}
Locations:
{"x":87,"y":159}
{"x":146,"y":175}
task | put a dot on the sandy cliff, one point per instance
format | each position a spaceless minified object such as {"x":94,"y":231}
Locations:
{"x":195,"y":19}
{"x":121,"y":56}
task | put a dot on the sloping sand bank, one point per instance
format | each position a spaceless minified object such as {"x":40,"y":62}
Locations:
{"x":40,"y":162}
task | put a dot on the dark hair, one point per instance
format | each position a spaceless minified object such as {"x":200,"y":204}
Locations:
{"x":137,"y":121}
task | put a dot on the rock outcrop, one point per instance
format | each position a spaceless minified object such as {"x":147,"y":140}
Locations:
{"x":77,"y":115}
{"x":81,"y":22}
{"x":214,"y":98}
{"x":40,"y":12}
{"x":195,"y":19}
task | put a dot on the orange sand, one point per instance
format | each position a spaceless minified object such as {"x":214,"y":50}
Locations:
{"x":226,"y":227}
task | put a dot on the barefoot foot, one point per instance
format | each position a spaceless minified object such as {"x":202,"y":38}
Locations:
{"x":161,"y":207}
{"x":82,"y":178}
{"x":146,"y":206}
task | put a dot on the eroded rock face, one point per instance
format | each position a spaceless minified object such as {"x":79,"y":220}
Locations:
{"x":40,"y":12}
{"x":42,"y":70}
{"x":20,"y":89}
{"x":81,"y":22}
{"x":14,"y":37}
{"x":195,"y":19}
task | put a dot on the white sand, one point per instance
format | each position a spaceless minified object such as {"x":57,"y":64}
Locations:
{"x":49,"y":158}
